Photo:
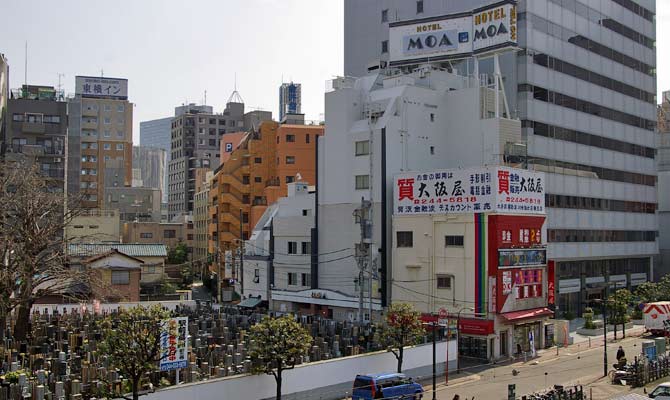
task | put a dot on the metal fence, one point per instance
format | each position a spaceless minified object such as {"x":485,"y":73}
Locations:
{"x":558,"y":393}
{"x":646,"y":371}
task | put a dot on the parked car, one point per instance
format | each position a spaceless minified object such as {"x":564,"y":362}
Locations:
{"x":384,"y":386}
{"x":662,"y":392}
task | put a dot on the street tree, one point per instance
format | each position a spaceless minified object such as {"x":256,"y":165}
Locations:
{"x":131,"y":341}
{"x":33,"y":218}
{"x":277,"y":345}
{"x":178,"y":254}
{"x":617,"y":306}
{"x":648,"y":292}
{"x":401,"y":327}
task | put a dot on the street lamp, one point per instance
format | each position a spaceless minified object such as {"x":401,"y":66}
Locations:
{"x":434,"y":325}
{"x":458,"y":338}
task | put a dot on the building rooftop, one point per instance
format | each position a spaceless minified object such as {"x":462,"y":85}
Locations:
{"x":133,"y":250}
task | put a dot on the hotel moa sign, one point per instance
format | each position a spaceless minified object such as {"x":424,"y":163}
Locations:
{"x":453,"y":36}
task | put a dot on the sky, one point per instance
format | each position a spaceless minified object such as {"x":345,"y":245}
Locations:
{"x":172,"y":53}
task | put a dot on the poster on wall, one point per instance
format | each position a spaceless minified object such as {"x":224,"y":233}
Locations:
{"x":473,"y":190}
{"x":174,"y":346}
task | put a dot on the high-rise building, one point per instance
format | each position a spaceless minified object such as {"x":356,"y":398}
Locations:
{"x":36,"y":130}
{"x":151,"y":162}
{"x":195,"y":141}
{"x":290,"y":99}
{"x":4,"y":94}
{"x":583,"y":85}
{"x":157,"y":132}
{"x":100,"y":137}
{"x":663,"y":159}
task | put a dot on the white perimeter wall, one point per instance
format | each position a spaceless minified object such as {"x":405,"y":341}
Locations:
{"x":333,"y":378}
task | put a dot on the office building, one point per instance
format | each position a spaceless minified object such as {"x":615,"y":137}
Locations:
{"x":100,"y":138}
{"x":663,"y":159}
{"x":195,"y":141}
{"x":36,"y":130}
{"x":134,"y":203}
{"x":157,"y":132}
{"x":151,"y":162}
{"x":583,"y":84}
{"x":290,"y":99}
{"x":201,"y":216}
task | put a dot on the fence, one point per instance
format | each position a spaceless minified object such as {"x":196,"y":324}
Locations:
{"x":558,"y":393}
{"x":646,"y":371}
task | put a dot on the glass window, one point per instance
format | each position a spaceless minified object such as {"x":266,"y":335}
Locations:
{"x":292,"y":247}
{"x":443,"y":282}
{"x":404,"y":238}
{"x":385,"y":15}
{"x":290,"y":138}
{"x":119,"y":146}
{"x":107,"y":133}
{"x":292,"y":278}
{"x":120,"y":277}
{"x":385,"y":46}
{"x":306,"y":248}
{"x":290,"y":159}
{"x":419,"y":6}
{"x":362,"y":147}
{"x":362,"y":182}
{"x":146,"y":235}
{"x":306,"y":279}
{"x":107,"y":146}
{"x":453,"y":241}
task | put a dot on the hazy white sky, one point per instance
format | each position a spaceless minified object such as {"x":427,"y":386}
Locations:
{"x":172,"y":51}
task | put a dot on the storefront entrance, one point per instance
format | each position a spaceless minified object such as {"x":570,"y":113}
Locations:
{"x":503,"y":344}
{"x":473,"y":347}
{"x":522,"y":336}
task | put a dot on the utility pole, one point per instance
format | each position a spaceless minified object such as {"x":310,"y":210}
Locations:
{"x":362,"y":252}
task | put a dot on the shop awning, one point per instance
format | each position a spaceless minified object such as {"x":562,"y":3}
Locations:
{"x":249,"y":303}
{"x":527,"y":314}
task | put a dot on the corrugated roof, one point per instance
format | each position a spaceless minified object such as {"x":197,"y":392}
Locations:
{"x":131,"y":249}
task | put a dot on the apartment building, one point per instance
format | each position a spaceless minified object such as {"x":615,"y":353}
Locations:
{"x":36,"y":129}
{"x":4,"y":94}
{"x":195,"y":143}
{"x":256,"y":175}
{"x":151,"y":164}
{"x":583,"y":84}
{"x":100,"y":134}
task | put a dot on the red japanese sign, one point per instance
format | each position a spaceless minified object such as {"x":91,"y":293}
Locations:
{"x":551,"y":283}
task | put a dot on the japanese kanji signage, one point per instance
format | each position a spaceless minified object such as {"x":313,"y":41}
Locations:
{"x":88,"y":86}
{"x":475,"y":190}
{"x":174,"y":346}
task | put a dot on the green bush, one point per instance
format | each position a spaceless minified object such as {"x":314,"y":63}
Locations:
{"x":588,"y":318}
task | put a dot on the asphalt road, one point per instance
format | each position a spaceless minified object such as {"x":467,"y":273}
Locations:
{"x":575,"y":365}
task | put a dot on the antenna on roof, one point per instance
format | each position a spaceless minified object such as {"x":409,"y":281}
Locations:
{"x":235,"y":96}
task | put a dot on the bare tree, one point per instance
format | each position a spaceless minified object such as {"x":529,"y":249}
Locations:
{"x":33,"y":218}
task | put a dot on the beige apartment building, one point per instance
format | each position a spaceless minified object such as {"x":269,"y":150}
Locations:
{"x":94,"y":226}
{"x":100,"y":138}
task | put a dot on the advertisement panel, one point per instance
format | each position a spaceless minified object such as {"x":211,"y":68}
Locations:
{"x":521,"y":257}
{"x":449,"y":36}
{"x":454,"y":35}
{"x":494,"y":28}
{"x":89,"y":86}
{"x":473,"y":190}
{"x":174,"y":344}
{"x":551,"y":283}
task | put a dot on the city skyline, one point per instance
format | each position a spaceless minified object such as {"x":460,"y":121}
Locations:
{"x":163,"y":65}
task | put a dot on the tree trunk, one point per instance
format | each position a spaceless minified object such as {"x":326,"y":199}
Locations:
{"x":22,"y":325}
{"x":278,"y":380}
{"x":136,"y":389}
{"x":400,"y":356}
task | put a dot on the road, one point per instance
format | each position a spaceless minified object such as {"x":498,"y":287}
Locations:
{"x":575,"y":365}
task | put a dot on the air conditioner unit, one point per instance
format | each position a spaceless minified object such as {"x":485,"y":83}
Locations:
{"x":58,"y":159}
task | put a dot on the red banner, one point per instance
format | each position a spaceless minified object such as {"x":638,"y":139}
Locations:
{"x":471,"y":326}
{"x":551,"y":283}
